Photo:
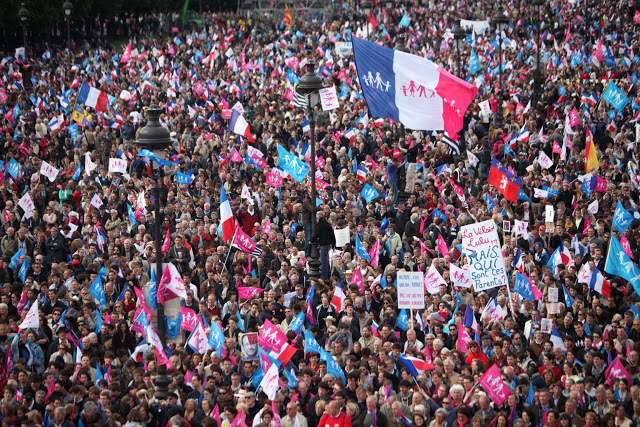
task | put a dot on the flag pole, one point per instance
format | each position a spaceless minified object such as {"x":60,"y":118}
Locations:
{"x":224,"y":265}
{"x":513,"y":312}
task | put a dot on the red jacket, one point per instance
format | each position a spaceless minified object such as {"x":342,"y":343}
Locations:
{"x":343,"y":420}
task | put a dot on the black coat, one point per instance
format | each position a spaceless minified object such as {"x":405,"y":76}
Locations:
{"x":324,"y":234}
{"x":57,"y":248}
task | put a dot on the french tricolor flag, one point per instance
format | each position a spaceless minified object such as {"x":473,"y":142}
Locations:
{"x":362,"y":173}
{"x":92,"y":97}
{"x":517,"y":261}
{"x":599,"y":284}
{"x":239,"y":125}
{"x":226,"y":216}
{"x":338,"y":298}
{"x":350,"y":134}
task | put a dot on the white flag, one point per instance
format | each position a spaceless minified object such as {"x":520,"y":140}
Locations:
{"x":460,"y":276}
{"x":198,"y":340}
{"x":153,"y":338}
{"x":540,"y":194}
{"x":32,"y":319}
{"x":544,"y":160}
{"x":96,"y":201}
{"x":118,"y":165}
{"x":26,"y":203}
{"x":141,"y":202}
{"x":172,"y":280}
{"x":269,"y":382}
{"x":433,"y":280}
{"x":521,"y":228}
{"x":593,"y":207}
{"x":49,"y":171}
{"x":329,"y":98}
{"x":246,"y":194}
{"x":473,"y":159}
{"x":89,"y":166}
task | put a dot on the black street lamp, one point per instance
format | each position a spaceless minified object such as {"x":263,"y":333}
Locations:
{"x":537,"y":5}
{"x":500,"y":21}
{"x":309,"y":86}
{"x":401,"y":44}
{"x":156,"y":138}
{"x":67,"y":7}
{"x":458,"y":36}
{"x":23,"y":17}
{"x":389,"y":4}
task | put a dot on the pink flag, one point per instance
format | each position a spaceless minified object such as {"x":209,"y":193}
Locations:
{"x":276,"y":421}
{"x":267,"y":227}
{"x":424,"y":248}
{"x":238,"y":421}
{"x":107,"y":319}
{"x":587,"y":224}
{"x":248,"y":292}
{"x":243,"y":242}
{"x":171,"y":285}
{"x":574,"y":119}
{"x":167,"y":242}
{"x":374,"y":253}
{"x":536,"y":292}
{"x":272,"y":338}
{"x":161,"y":357}
{"x":357,"y":279}
{"x":23,"y":301}
{"x":442,"y":246}
{"x":463,"y":339}
{"x":235,"y":156}
{"x":374,"y":165}
{"x":599,"y":53}
{"x":567,"y":37}
{"x":600,"y":185}
{"x":624,"y":243}
{"x":273,"y":179}
{"x":189,"y":319}
{"x":556,"y":148}
{"x":422,"y":224}
{"x":636,"y":17}
{"x":616,"y":370}
{"x":126,"y":55}
{"x":457,"y":189}
{"x":141,"y":301}
{"x":136,"y":325}
{"x":492,"y":383}
{"x":215,"y":414}
{"x":49,"y":390}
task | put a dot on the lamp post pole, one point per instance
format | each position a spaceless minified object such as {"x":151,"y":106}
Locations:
{"x":67,"y":7}
{"x":500,"y":20}
{"x":156,"y":138}
{"x":23,"y":17}
{"x":539,"y":87}
{"x":458,"y":36}
{"x":310,"y":85}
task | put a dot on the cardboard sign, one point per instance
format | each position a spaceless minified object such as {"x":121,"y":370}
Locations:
{"x":481,"y":243}
{"x":410,"y":290}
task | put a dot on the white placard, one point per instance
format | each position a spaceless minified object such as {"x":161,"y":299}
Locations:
{"x":553,"y":294}
{"x":410,"y":290}
{"x":118,"y":165}
{"x":549,"y":213}
{"x":485,"y":108}
{"x":544,"y":160}
{"x":553,"y":308}
{"x":481,"y":243}
{"x":329,"y":98}
{"x":26,"y":203}
{"x":96,"y":201}
{"x":343,"y":237}
{"x":479,"y":27}
{"x":344,"y":48}
{"x":546,"y":326}
{"x":49,"y":171}
{"x":521,"y":228}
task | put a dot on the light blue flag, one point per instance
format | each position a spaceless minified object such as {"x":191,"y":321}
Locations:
{"x":568,"y":299}
{"x":297,"y":323}
{"x":15,"y":259}
{"x":621,"y":218}
{"x":488,"y":200}
{"x":13,"y":168}
{"x":172,"y":326}
{"x":333,"y":367}
{"x":360,"y":249}
{"x":97,"y":290}
{"x":216,"y":338}
{"x":402,"y":321}
{"x":310,"y":343}
{"x":257,"y":377}
{"x":522,"y":286}
{"x":522,"y":196}
{"x":22,"y":273}
{"x":369,"y":193}
{"x":77,"y":173}
{"x":615,"y":96}
{"x":619,"y":264}
{"x":102,"y":274}
{"x":291,"y":164}
{"x":437,"y":213}
{"x":132,"y":215}
{"x":152,"y":294}
{"x":636,"y":312}
{"x":530,"y":395}
{"x":99,"y":375}
{"x":151,"y":156}
{"x":241,"y":324}
{"x":73,"y":131}
{"x":291,"y":376}
{"x":405,"y":21}
{"x":184,"y":178}
{"x":474,"y":63}
{"x":98,"y":321}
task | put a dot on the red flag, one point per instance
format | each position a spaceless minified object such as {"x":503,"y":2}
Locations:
{"x":507,"y":183}
{"x":372,"y":21}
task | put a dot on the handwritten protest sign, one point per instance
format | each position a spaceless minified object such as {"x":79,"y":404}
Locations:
{"x":480,"y":241}
{"x":410,"y":290}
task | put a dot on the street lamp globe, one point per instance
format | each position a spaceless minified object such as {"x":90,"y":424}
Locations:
{"x":500,"y":21}
{"x":458,"y":35}
{"x":310,"y":85}
{"x":401,"y":44}
{"x":154,"y":137}
{"x":23,"y":14}
{"x":366,"y":6}
{"x":67,"y":6}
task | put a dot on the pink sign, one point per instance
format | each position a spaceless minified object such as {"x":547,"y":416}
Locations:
{"x":226,"y":113}
{"x":574,"y":119}
{"x":274,"y":179}
{"x":175,"y":29}
{"x":189,"y":319}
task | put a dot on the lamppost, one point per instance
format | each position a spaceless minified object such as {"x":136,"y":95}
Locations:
{"x":537,"y":5}
{"x":23,"y":17}
{"x":366,"y":6}
{"x":155,"y":138}
{"x":401,"y":44}
{"x":499,"y":21}
{"x":67,"y":7}
{"x":458,"y":36}
{"x":309,"y":86}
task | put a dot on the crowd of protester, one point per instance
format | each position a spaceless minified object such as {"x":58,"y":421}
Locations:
{"x":84,"y":364}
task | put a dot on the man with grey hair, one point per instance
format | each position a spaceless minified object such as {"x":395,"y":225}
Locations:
{"x":60,"y":417}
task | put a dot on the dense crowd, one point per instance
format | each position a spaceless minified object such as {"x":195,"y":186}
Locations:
{"x":78,"y":233}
